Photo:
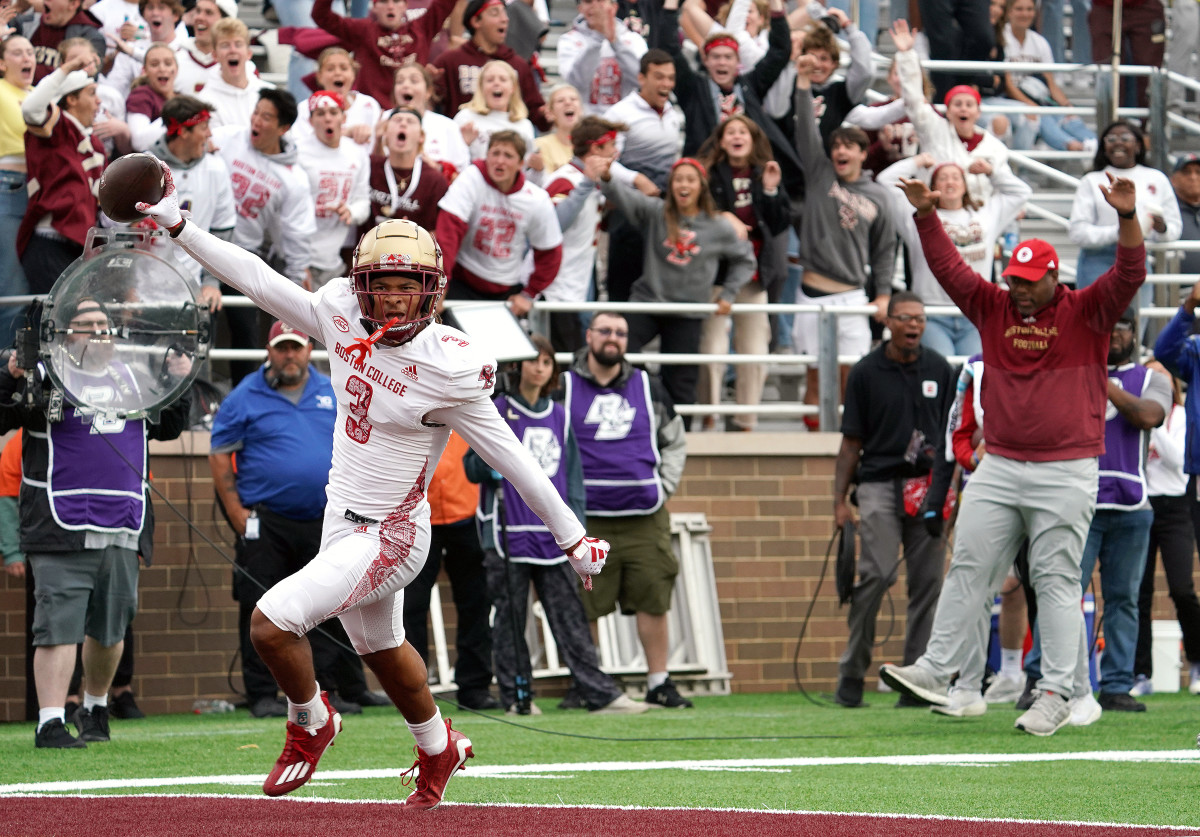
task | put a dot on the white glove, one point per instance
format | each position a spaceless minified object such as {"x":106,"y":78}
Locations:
{"x":166,"y":212}
{"x":587,"y":558}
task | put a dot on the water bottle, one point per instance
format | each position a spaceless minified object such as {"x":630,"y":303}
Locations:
{"x":211,"y":707}
{"x":1010,"y":240}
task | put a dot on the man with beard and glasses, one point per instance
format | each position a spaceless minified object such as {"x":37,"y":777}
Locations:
{"x":898,"y":399}
{"x":632,"y":447}
{"x":272,"y":443}
{"x":1044,"y":348}
{"x":1138,"y":401}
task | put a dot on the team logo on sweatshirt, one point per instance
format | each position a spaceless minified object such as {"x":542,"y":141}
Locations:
{"x":682,"y":248}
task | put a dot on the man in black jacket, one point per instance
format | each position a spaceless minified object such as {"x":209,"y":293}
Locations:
{"x":83,"y":507}
{"x":708,"y":98}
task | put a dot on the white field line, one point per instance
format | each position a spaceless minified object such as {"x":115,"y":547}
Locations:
{"x":1183,"y":830}
{"x":503,"y":771}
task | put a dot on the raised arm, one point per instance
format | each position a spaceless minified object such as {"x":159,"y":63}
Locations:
{"x":248,"y":273}
{"x":861,"y":71}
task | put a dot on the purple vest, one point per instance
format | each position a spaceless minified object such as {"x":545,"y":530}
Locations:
{"x":1122,"y":467}
{"x":544,"y":436}
{"x":618,"y":445}
{"x":96,"y":472}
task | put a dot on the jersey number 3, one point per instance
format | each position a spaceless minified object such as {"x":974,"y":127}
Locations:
{"x":358,"y":426}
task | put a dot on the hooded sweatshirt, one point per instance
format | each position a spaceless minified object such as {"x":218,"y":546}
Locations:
{"x":683,"y":270}
{"x":204,"y":189}
{"x":604,"y":73}
{"x":272,"y":198}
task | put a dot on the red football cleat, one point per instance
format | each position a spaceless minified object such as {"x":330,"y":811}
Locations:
{"x":434,"y":772}
{"x":301,"y":752}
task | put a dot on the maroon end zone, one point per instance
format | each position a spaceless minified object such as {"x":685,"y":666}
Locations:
{"x":179,"y":816}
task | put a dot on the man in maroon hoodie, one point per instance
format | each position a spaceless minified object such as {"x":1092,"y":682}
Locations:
{"x":60,"y":20}
{"x":388,"y":38}
{"x":1045,"y":348}
{"x":457,"y":70}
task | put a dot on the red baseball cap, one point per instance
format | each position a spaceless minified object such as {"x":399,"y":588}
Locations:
{"x":281,"y":331}
{"x":1031,"y":259}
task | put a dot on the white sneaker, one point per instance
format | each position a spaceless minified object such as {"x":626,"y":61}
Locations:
{"x":1194,"y":685}
{"x":1142,"y":686}
{"x":964,"y":703}
{"x":1085,"y":710}
{"x":1005,"y":689}
{"x":621,"y":705}
{"x":1047,"y":716}
{"x":916,"y":682}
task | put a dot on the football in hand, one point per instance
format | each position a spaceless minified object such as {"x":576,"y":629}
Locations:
{"x":127,"y":180}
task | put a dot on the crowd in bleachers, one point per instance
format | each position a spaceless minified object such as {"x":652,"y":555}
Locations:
{"x":382,"y":114}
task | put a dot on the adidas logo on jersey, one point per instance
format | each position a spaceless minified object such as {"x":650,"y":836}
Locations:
{"x":409,"y":372}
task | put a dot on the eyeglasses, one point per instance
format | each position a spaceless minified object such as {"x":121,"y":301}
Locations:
{"x":618,"y":333}
{"x":1113,"y":139}
{"x":919,"y":319}
{"x":1123,"y":327}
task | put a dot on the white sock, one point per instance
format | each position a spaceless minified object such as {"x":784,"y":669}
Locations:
{"x":655,"y":679}
{"x":45,"y":716}
{"x":312,"y":715}
{"x":90,"y":702}
{"x":1010,"y":663}
{"x":431,"y":735}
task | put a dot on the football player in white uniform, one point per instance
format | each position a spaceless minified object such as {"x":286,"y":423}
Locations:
{"x":402,"y":381}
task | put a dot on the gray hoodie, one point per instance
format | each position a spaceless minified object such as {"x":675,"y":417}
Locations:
{"x":162,"y":151}
{"x":686,"y":270}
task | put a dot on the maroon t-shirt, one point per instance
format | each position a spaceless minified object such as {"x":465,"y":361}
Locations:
{"x":420,"y":204}
{"x":146,"y":101}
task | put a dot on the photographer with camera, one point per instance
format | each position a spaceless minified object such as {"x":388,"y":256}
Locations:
{"x":897,"y":401}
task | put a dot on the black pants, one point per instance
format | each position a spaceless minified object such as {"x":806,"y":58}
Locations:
{"x":558,"y":590}
{"x":455,"y":545}
{"x":44,"y":261}
{"x":1171,"y":535}
{"x":958,"y":30}
{"x":243,"y":334}
{"x":283,"y":547}
{"x":626,"y":249}
{"x":678,"y":335}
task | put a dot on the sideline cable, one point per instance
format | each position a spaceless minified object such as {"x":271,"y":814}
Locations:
{"x":501,"y":719}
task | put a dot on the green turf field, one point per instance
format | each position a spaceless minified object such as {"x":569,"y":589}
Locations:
{"x":729,"y":759}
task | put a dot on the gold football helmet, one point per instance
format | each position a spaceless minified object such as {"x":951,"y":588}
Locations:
{"x":398,"y":247}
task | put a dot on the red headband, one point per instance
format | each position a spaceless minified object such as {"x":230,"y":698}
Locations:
{"x":722,"y":41}
{"x":962,"y":90}
{"x":325,"y":99}
{"x":487,"y":4}
{"x":600,"y":140}
{"x":174,"y":127}
{"x":690,"y":161}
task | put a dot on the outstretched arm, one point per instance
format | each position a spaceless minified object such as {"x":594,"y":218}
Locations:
{"x":231,"y":264}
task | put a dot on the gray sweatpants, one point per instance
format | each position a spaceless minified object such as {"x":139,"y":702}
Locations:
{"x":883,"y":529}
{"x":1006,"y":499}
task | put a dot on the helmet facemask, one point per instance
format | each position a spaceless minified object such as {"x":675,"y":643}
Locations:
{"x":398,"y":249}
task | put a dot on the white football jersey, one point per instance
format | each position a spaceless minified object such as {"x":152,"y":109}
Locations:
{"x":499,"y":225}
{"x":396,"y":408}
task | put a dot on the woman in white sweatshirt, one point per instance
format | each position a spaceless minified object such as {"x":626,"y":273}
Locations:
{"x":972,"y":227}
{"x":1122,"y":153}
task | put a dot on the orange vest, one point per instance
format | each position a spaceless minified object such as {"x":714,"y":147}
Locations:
{"x":452,"y":497}
{"x":10,"y":467}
